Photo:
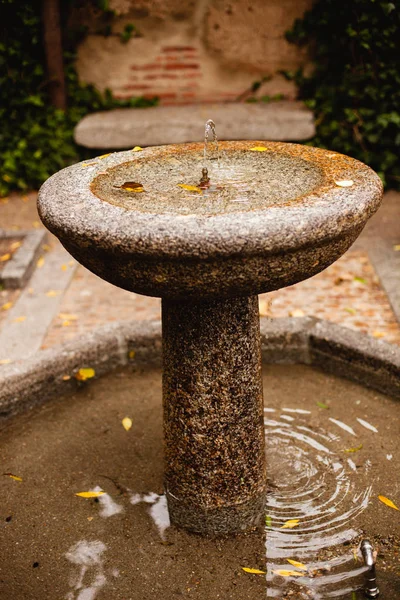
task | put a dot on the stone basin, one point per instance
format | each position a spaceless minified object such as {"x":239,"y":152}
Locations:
{"x":271,"y":215}
{"x":276,"y":217}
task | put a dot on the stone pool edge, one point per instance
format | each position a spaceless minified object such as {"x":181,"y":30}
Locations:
{"x":306,"y":340}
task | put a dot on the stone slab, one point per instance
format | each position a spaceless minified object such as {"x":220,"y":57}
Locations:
{"x":27,"y":321}
{"x":20,"y":267}
{"x":129,"y":127}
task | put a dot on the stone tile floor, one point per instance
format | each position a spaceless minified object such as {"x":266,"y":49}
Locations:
{"x":349,"y":292}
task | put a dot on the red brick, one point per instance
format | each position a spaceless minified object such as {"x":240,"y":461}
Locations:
{"x":179,"y":48}
{"x":148,"y":67}
{"x":179,"y":66}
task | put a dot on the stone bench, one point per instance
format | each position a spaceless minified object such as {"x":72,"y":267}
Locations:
{"x":127,"y":127}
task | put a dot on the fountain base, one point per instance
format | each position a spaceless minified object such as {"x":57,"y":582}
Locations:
{"x":215,"y":474}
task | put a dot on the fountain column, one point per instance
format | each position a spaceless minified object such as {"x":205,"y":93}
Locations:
{"x":215,"y":477}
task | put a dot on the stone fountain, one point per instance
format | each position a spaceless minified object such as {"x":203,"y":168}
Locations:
{"x":207,"y":240}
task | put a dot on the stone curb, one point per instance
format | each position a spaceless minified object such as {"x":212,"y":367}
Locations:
{"x":330,"y":347}
{"x":20,"y":267}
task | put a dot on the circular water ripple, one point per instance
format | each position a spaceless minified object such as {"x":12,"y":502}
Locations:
{"x":312,"y":479}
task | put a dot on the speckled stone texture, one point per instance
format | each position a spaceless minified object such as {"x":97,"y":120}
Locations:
{"x":215,"y":476}
{"x":254,"y":234}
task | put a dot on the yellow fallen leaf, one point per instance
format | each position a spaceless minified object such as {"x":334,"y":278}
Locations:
{"x":71,"y":263}
{"x":19,"y":319}
{"x":297,"y":312}
{"x":253,"y":571}
{"x":5,"y":361}
{"x":259,"y":149}
{"x":40,"y":262}
{"x":5,"y":257}
{"x":65,"y":323}
{"x":25,"y":198}
{"x":285,"y":573}
{"x":353,"y":449}
{"x":3,"y":200}
{"x":86,"y":373}
{"x":90,"y":518}
{"x":345,"y":183}
{"x":131,"y":354}
{"x":64,"y":267}
{"x":396,"y":248}
{"x":15,"y":245}
{"x":68,"y":316}
{"x":350,"y":310}
{"x":132,"y":186}
{"x":378,"y":334}
{"x":36,"y":224}
{"x":290,"y":524}
{"x":91,"y":164}
{"x":190,"y":188}
{"x":7,"y":306}
{"x":66,"y":377}
{"x":127,"y":423}
{"x":53,"y":293}
{"x":15,"y":477}
{"x":388,"y":502}
{"x":104,"y":156}
{"x":89,"y":494}
{"x":137,"y":149}
{"x":46,"y":247}
{"x":299,"y":565}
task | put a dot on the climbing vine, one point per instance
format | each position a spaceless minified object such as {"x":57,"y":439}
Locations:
{"x":36,"y":139}
{"x":354,"y":88}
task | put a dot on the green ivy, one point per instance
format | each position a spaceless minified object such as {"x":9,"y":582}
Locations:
{"x":354,"y":89}
{"x":36,"y":139}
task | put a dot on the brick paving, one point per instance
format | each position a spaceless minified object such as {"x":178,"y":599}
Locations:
{"x":348,"y":293}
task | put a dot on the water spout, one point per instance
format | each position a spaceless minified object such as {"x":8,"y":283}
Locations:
{"x":210,"y":130}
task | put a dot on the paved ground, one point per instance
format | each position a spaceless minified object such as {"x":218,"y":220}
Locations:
{"x":63,"y":299}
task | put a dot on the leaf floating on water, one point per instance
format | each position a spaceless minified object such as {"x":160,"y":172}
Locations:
{"x":299,"y":565}
{"x":388,"y":502}
{"x":290,"y":524}
{"x":345,"y":183}
{"x":322,"y":405}
{"x":350,"y":450}
{"x":127,"y":423}
{"x":5,"y":257}
{"x":190,"y":188}
{"x":132,"y":186}
{"x":253,"y":571}
{"x":89,"y":494}
{"x":15,"y":477}
{"x":40,"y":262}
{"x":258,"y":149}
{"x":84,"y":374}
{"x":285,"y":573}
{"x":137,"y":149}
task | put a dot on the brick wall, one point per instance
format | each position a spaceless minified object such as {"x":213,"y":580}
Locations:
{"x":197,"y":51}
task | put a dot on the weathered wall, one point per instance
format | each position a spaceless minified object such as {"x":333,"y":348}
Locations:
{"x":194,"y":50}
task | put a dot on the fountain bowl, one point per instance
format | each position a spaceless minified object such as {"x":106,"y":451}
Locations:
{"x":275,"y":214}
